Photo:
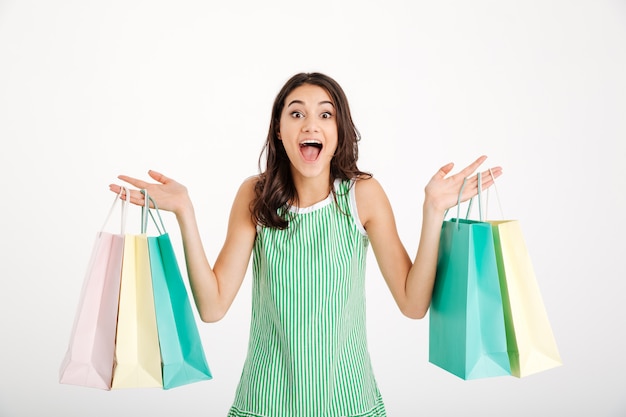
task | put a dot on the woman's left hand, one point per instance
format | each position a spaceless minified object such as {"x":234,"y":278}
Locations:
{"x":443,"y":193}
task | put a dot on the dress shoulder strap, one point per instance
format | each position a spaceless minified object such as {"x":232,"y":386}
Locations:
{"x":346,"y":199}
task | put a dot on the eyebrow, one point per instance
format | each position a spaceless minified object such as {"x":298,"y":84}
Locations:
{"x":302,"y":102}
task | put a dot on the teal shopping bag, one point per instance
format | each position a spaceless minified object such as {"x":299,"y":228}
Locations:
{"x":467,"y":331}
{"x":182,"y":353}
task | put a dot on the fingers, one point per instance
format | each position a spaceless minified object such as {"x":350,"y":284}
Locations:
{"x":134,"y":181}
{"x":473,"y":166}
{"x":494,"y":172}
{"x":135,"y":196}
{"x":117,"y":190}
{"x":157,"y":176}
{"x":445,"y":170}
{"x":487,"y":180}
{"x":489,"y":176}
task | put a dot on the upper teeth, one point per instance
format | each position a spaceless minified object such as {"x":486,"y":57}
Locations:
{"x":311,"y":142}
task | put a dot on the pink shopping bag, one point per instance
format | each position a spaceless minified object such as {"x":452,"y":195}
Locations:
{"x":89,"y":359}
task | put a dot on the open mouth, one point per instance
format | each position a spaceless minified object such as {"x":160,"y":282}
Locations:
{"x":310,"y":150}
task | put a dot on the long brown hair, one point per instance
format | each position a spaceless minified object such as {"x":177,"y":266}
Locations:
{"x":275,"y":190}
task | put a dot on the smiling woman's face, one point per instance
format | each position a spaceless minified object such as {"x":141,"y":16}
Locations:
{"x":308,"y":130}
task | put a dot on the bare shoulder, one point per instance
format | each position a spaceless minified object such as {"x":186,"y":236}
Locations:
{"x":250,"y":181}
{"x":245,"y":197}
{"x":246,"y":189}
{"x":367,"y":186}
{"x":371,"y":199}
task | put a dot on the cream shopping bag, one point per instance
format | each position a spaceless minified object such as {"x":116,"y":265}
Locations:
{"x":137,"y":352}
{"x":531,"y":344}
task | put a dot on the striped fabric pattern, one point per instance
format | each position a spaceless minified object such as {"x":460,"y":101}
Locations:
{"x":307,"y":353}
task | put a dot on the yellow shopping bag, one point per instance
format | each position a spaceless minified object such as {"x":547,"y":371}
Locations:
{"x":530,"y":341}
{"x":137,"y":352}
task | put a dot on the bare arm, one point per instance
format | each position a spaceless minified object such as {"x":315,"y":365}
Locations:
{"x":214,"y":289}
{"x":411,"y":283}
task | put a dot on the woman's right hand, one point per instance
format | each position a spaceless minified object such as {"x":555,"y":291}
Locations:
{"x":168,"y":194}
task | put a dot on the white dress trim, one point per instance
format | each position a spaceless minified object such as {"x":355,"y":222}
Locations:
{"x":353,"y":208}
{"x":328,"y":200}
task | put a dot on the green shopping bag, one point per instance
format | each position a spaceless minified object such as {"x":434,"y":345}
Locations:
{"x":182,"y":353}
{"x":466,"y":332}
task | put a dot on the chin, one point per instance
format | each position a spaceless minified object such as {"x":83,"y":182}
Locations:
{"x":310,"y":171}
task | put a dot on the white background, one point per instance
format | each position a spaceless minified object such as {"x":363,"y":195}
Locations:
{"x":93,"y":89}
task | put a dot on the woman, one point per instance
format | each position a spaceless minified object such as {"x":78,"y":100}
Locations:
{"x":308,"y":219}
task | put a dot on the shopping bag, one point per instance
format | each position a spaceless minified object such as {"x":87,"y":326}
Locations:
{"x":466,"y":330}
{"x":90,"y":355}
{"x":182,"y":353}
{"x":137,"y":352}
{"x":531,"y":343}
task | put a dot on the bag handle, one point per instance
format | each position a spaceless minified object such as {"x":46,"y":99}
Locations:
{"x":486,"y":197}
{"x":145,"y":210}
{"x":479,"y":197}
{"x":471,"y":201}
{"x":123,"y":192}
{"x":495,"y":188}
{"x":458,"y":201}
{"x":458,"y":204}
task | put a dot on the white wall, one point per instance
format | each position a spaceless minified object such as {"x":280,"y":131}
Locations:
{"x":93,"y":89}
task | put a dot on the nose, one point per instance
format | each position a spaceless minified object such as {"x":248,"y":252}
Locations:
{"x":310,"y":125}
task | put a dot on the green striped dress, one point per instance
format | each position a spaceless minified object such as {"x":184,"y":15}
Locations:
{"x":307,"y":353}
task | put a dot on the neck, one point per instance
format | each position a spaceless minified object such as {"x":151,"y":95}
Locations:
{"x":312,"y":190}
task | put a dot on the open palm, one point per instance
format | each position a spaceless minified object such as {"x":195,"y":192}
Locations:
{"x":442,"y":191}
